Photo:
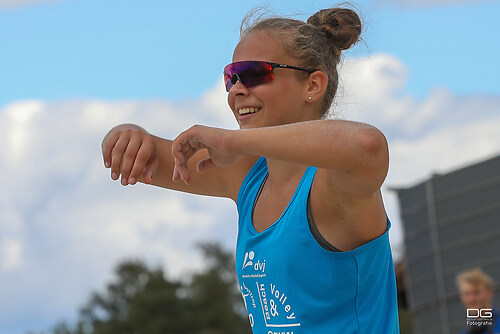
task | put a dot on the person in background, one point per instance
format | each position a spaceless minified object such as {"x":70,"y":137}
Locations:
{"x":476,"y":293}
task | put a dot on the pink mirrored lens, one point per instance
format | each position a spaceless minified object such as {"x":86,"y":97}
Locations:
{"x":251,"y":73}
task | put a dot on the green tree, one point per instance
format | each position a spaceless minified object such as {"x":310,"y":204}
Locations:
{"x":141,"y":300}
{"x":215,"y":295}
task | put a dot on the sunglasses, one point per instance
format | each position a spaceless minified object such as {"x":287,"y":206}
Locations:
{"x":252,"y":72}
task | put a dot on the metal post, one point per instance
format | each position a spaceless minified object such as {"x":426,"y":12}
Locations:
{"x":431,"y":205}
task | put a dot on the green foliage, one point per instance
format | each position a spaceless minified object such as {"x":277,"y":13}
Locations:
{"x":141,"y":300}
{"x":215,"y":294}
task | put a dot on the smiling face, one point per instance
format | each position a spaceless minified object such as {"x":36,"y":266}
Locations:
{"x":278,"y":102}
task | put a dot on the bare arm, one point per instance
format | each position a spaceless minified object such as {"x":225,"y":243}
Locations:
{"x":220,"y":182}
{"x":136,"y":155}
{"x":353,"y":156}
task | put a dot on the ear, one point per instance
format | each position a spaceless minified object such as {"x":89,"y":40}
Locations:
{"x":316,"y":86}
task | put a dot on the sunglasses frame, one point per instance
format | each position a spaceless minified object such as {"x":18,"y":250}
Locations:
{"x":236,"y":76}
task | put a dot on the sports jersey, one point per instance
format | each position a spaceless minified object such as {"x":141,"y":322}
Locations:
{"x":291,"y":284}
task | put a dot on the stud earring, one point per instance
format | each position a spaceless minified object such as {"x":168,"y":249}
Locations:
{"x":310,"y":98}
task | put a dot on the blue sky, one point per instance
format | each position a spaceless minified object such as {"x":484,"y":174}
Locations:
{"x":131,"y":49}
{"x":71,"y":70}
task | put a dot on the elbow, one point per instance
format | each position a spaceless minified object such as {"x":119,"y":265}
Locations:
{"x":372,"y":140}
{"x":375,"y":151}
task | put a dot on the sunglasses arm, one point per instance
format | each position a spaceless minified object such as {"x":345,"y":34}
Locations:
{"x":274,"y":65}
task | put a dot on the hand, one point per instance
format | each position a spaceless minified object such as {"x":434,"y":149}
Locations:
{"x":130,"y":151}
{"x":216,"y":141}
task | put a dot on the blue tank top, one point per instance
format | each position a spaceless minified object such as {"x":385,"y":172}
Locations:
{"x":290,"y":284}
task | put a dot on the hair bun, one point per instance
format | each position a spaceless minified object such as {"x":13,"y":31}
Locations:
{"x":341,"y":25}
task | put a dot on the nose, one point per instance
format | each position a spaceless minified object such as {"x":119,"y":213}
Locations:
{"x":235,"y":78}
{"x":238,"y":87}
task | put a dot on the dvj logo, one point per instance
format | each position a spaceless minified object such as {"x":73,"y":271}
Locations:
{"x":476,"y":313}
{"x":248,"y":261}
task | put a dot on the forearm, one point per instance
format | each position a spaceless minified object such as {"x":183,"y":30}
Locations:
{"x":333,"y":144}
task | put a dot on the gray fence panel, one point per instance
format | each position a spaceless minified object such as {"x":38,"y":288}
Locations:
{"x":451,"y":223}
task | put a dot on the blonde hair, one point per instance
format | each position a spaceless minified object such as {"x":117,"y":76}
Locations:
{"x":475,"y":277}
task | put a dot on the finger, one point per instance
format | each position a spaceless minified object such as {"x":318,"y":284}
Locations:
{"x":183,"y":173}
{"x":129,"y":158}
{"x":177,"y":147}
{"x":175,"y":175}
{"x":182,"y":156}
{"x":195,"y":143}
{"x":205,"y":164}
{"x":180,"y":172}
{"x":150,"y":170}
{"x":107,"y":147}
{"x":182,"y":138}
{"x":143,"y":156}
{"x":116,"y":156}
{"x":187,"y":179}
{"x":185,"y":149}
{"x":178,"y":156}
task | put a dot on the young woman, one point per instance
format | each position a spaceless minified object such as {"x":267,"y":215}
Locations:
{"x":313,"y":252}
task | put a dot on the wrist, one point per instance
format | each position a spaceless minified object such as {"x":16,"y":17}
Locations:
{"x":236,"y":142}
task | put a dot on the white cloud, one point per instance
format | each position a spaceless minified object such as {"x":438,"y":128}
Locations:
{"x":64,"y":222}
{"x":9,"y":4}
{"x":22,"y":116}
{"x":440,"y":133}
{"x":12,"y":258}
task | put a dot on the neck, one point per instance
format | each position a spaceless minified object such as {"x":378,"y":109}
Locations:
{"x":282,"y":172}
